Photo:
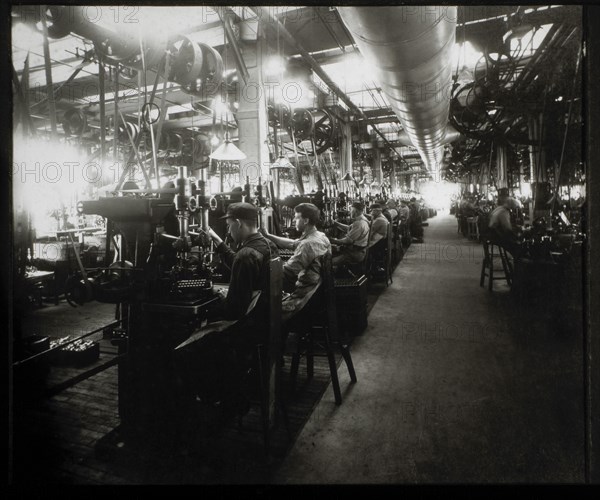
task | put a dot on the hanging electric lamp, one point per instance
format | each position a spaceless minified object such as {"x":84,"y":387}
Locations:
{"x":227,"y":151}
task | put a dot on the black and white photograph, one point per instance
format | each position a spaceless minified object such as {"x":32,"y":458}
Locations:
{"x":276,"y":245}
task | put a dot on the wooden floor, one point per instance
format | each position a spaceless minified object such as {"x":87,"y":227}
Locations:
{"x":70,"y":434}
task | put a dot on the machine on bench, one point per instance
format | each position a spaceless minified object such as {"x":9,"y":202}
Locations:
{"x":163,"y":285}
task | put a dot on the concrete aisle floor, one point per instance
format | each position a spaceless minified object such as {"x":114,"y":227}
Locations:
{"x":456,"y":384}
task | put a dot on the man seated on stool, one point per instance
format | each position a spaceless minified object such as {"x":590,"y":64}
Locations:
{"x":379,"y":228}
{"x":379,"y":225}
{"x":384,"y":209}
{"x":404,"y":211}
{"x":302,"y":272}
{"x":353,"y":246}
{"x":391,"y":206}
{"x":219,"y":362}
{"x":500,"y":229}
{"x":249,"y":265}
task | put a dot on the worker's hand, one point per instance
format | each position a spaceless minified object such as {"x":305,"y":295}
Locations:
{"x":220,"y":292}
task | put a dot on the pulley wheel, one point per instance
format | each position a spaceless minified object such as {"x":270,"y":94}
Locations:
{"x":467,"y":111}
{"x":57,"y":21}
{"x":325,"y":131}
{"x":201,"y":150}
{"x":123,"y":136}
{"x":74,"y":122}
{"x":120,"y":270}
{"x":210,"y":78}
{"x":187,"y":148}
{"x":175,"y":143}
{"x":279,"y":115}
{"x":188,"y":63}
{"x":147,"y":110}
{"x":302,"y":123}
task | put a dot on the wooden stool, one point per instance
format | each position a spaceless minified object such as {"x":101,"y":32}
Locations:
{"x":322,"y":336}
{"x":472,"y":228}
{"x":491,"y":252}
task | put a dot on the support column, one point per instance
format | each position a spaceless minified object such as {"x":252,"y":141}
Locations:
{"x":346,"y":149}
{"x":537,"y":162}
{"x":377,"y":171}
{"x":501,"y":167}
{"x":393,"y":183}
{"x":252,"y":117}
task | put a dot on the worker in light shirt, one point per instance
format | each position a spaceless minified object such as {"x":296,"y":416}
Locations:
{"x":353,"y":246}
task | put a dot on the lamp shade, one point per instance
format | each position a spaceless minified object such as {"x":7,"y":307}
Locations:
{"x":282,"y":163}
{"x":347,"y":177}
{"x":227,"y":151}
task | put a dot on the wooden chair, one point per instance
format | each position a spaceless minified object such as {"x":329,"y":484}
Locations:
{"x":383,"y":258}
{"x":318,"y":333}
{"x":269,"y":359}
{"x":396,"y":243}
{"x":264,"y":385}
{"x":491,"y":252}
{"x":405,"y":235}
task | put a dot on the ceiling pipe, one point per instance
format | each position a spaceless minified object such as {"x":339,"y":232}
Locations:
{"x":451,"y":135}
{"x":410,"y":50}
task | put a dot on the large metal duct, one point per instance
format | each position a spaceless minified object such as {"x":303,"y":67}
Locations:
{"x":410,"y":50}
{"x":451,"y":135}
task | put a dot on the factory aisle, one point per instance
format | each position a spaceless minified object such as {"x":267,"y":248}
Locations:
{"x":456,"y":384}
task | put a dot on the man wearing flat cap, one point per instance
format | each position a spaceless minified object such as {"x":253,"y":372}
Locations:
{"x":219,"y":363}
{"x":378,"y":235}
{"x":249,"y":265}
{"x":353,"y":246}
{"x":379,"y":225}
{"x":302,"y":272}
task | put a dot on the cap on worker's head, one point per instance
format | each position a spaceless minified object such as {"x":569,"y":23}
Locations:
{"x":242,"y":210}
{"x":413,"y":199}
{"x":358,"y":205}
{"x":503,"y":192}
{"x":375,"y":206}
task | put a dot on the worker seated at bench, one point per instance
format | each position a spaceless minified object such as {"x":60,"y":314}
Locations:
{"x":378,"y":237}
{"x":219,"y":362}
{"x":415,"y":220}
{"x":404,"y":212}
{"x":500,"y":229}
{"x":392,"y":210}
{"x":353,"y":246}
{"x":302,"y":271}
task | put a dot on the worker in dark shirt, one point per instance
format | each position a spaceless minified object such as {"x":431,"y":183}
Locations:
{"x":218,"y":364}
{"x":249,"y":265}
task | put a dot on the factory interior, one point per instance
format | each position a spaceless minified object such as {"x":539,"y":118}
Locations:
{"x":301,"y":245}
